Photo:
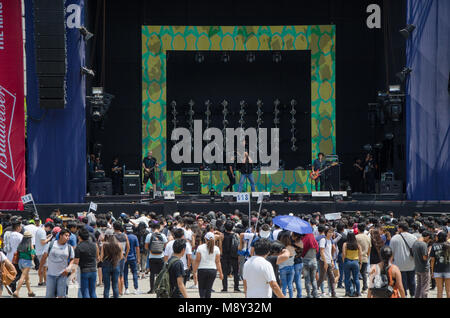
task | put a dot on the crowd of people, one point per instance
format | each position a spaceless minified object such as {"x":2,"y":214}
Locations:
{"x":367,"y":256}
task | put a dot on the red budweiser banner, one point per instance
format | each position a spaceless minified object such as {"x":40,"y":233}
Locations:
{"x":12,"y":117}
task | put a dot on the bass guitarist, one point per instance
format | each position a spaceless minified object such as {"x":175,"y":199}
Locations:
{"x":318,"y":165}
{"x":149,"y":164}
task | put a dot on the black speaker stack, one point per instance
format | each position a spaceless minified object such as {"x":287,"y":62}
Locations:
{"x":190,"y":180}
{"x":50,"y":46}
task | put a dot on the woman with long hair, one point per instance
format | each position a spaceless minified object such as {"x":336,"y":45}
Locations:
{"x":377,"y":245}
{"x":309,"y":255}
{"x":287,"y":269}
{"x":440,"y":264}
{"x":385,"y":269}
{"x":26,"y":254}
{"x":351,"y":253}
{"x":141,"y":234}
{"x":207,"y":263}
{"x":111,"y":255}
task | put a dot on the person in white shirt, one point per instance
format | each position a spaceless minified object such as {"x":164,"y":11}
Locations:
{"x":186,"y":259}
{"x":326,"y":264}
{"x":12,"y":240}
{"x":207,"y":262}
{"x":32,"y":228}
{"x":258,"y":274}
{"x":42,"y":240}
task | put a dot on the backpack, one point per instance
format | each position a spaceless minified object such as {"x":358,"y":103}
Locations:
{"x":162,"y":283}
{"x":156,"y":245}
{"x":7,"y":242}
{"x":383,"y":284}
{"x":7,"y":274}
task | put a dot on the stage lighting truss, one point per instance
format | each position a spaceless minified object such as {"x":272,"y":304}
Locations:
{"x":259,"y":113}
{"x":251,"y":57}
{"x":242,"y":113}
{"x":173,"y":104}
{"x":208,"y":113}
{"x":276,"y":112}
{"x":100,"y":102}
{"x":293,"y":122}
{"x":191,"y":118}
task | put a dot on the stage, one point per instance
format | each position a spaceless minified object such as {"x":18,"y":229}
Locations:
{"x":298,"y":204}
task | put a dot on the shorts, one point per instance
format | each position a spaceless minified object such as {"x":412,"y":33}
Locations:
{"x":445,"y":275}
{"x":25,"y":263}
{"x":150,"y":176}
{"x":99,"y":264}
{"x":121,"y":267}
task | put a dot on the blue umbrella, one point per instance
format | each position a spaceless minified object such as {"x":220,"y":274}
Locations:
{"x":293,"y":224}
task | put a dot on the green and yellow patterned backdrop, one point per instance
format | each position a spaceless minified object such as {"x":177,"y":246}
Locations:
{"x":319,"y":39}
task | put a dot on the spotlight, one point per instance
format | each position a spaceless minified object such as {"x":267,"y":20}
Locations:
{"x":212,"y":193}
{"x":367,"y":147}
{"x":395,"y":112}
{"x":286,"y":194}
{"x":225,"y":58}
{"x":389,"y":136}
{"x":406,"y":32}
{"x":96,"y":115}
{"x":86,"y":71}
{"x":251,"y":57}
{"x":276,"y":57}
{"x":378,"y":145}
{"x":85,"y":33}
{"x":403,"y":74}
{"x":199,"y":58}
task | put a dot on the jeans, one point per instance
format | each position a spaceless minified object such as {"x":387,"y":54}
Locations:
{"x":340,"y":263}
{"x":56,"y":286}
{"x":287,"y":278}
{"x":230,"y":266}
{"x":87,"y":284}
{"x":298,"y":268}
{"x":409,"y":282}
{"x":110,"y":275}
{"x":156,"y":265}
{"x":363,"y":272}
{"x":330,"y":275}
{"x":309,"y":271}
{"x":133,"y":267}
{"x":206,"y":279}
{"x":250,"y":178}
{"x":351,"y":269}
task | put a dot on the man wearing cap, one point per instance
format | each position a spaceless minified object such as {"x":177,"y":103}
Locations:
{"x":133,"y":260}
{"x":42,"y":239}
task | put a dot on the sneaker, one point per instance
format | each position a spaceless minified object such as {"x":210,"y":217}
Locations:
{"x":137,"y":292}
{"x":193,"y":287}
{"x":237,"y":290}
{"x":224,"y":291}
{"x":151,"y":291}
{"x":127,"y":292}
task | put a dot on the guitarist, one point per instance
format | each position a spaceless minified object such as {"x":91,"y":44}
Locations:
{"x":149,"y":164}
{"x":318,"y":165}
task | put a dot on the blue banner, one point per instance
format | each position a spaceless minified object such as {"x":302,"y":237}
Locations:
{"x":57,"y":143}
{"x":428,"y":101}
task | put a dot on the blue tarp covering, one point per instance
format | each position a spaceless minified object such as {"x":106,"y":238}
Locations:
{"x":428,"y":104}
{"x":57,"y":144}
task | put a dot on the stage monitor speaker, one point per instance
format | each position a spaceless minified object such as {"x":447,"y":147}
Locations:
{"x":132,"y":185}
{"x":333,"y":179}
{"x":190,"y":180}
{"x":391,"y":186}
{"x":100,"y":188}
{"x":50,"y":48}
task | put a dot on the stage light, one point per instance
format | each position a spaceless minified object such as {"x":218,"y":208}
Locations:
{"x":378,"y":146}
{"x":86,"y":71}
{"x":251,"y":57}
{"x":394,"y":89}
{"x":396,"y":112}
{"x":199,"y":58}
{"x":277,"y":57}
{"x":96,"y":115}
{"x":286,"y":194}
{"x":406,"y":32}
{"x":403,"y":74}
{"x":389,"y":136}
{"x":212,"y":193}
{"x":225,"y":58}
{"x":85,"y":33}
{"x":367,"y":147}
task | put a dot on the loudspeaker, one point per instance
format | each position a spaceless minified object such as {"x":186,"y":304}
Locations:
{"x":100,"y":188}
{"x":391,"y":187}
{"x":50,"y":46}
{"x":190,"y":180}
{"x":333,"y":179}
{"x":132,"y":185}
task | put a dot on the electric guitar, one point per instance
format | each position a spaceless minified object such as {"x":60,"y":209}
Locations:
{"x":315,"y":174}
{"x":147,"y":171}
